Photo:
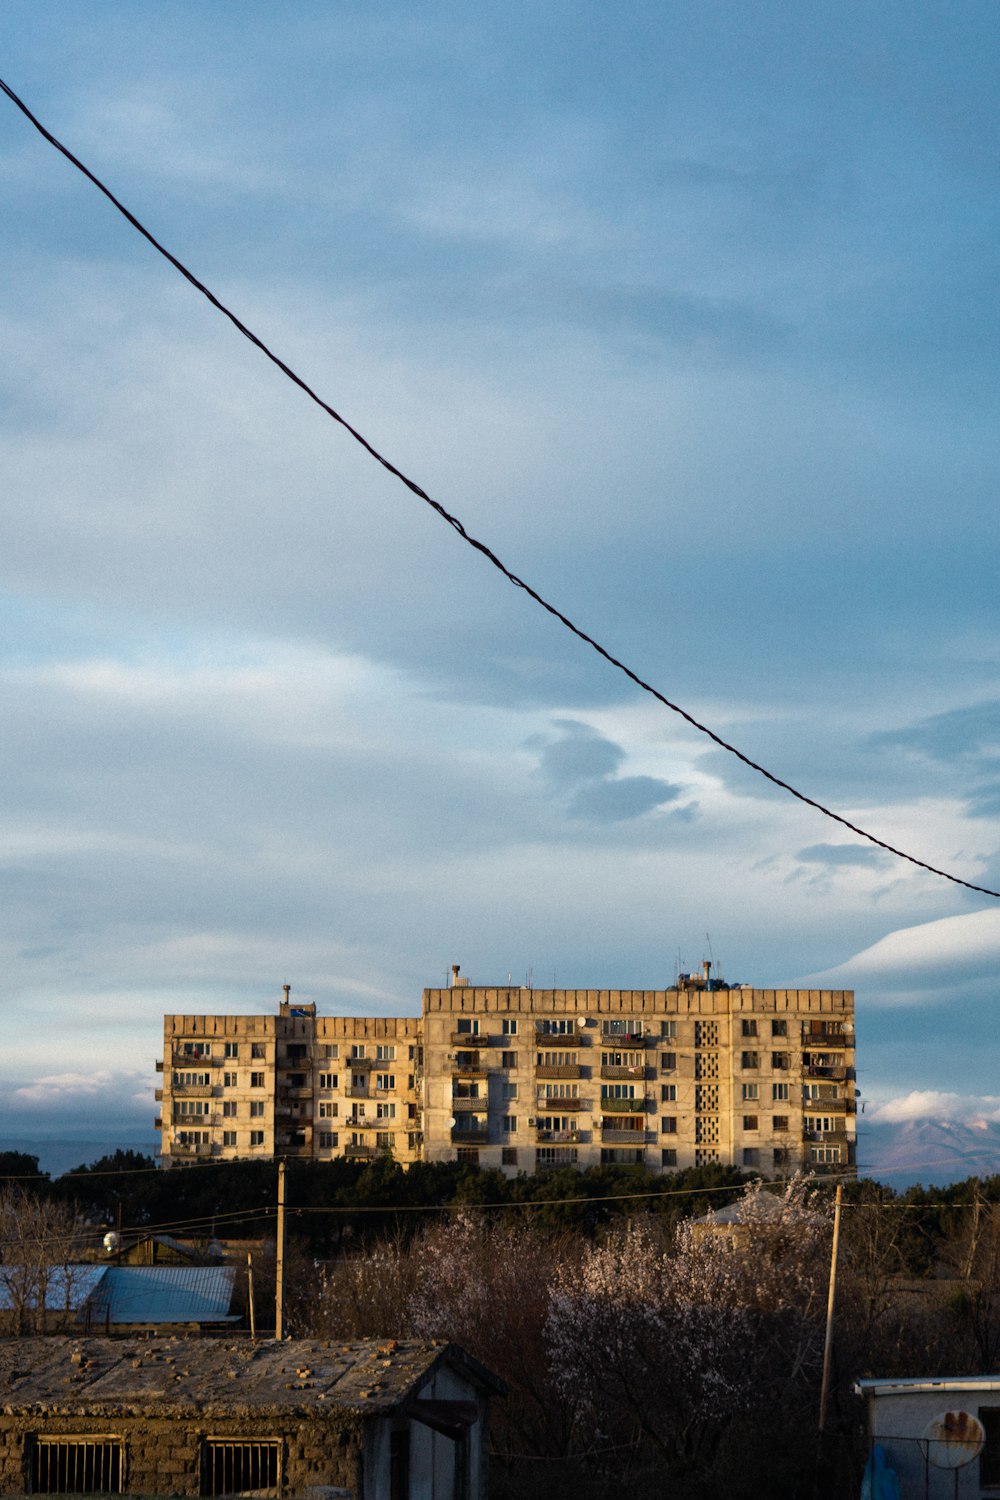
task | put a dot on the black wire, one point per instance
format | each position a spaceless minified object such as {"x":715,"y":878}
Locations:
{"x":457,"y":525}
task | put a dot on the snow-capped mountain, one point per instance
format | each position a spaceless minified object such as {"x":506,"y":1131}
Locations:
{"x":928,"y":1151}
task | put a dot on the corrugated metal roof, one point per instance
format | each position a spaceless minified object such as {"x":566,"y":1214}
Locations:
{"x":913,"y":1385}
{"x":164,"y":1294}
{"x":68,"y":1286}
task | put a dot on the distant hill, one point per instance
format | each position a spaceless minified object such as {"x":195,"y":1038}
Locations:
{"x":934,"y":1152}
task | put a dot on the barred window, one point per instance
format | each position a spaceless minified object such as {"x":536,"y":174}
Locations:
{"x":240,"y":1467}
{"x":76,"y":1466}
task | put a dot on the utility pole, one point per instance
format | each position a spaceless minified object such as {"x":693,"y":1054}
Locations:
{"x":253,"y":1320}
{"x":279,"y":1259}
{"x":831,"y":1298}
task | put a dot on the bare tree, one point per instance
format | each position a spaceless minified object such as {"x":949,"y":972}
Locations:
{"x":40,"y":1243}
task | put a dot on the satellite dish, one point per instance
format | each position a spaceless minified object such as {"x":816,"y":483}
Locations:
{"x":954,"y":1439}
{"x":451,"y":1123}
{"x":112,"y":1241}
{"x":581,"y":1020}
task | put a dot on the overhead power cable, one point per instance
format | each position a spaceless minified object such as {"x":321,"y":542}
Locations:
{"x":466,"y":536}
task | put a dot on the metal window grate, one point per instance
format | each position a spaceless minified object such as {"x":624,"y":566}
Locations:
{"x":76,"y":1466}
{"x":241,"y":1467}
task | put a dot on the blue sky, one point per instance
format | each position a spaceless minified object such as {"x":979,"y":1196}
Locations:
{"x":690,"y":311}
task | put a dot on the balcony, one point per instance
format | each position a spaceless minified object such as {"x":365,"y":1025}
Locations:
{"x":192,"y":1090}
{"x":159,"y":1064}
{"x":828,"y":1033}
{"x":827,"y":1137}
{"x":826,"y":1103}
{"x":194,"y":1059}
{"x":468,"y":1039}
{"x":558,"y":1106}
{"x":470,"y":1135}
{"x":355,"y":1150}
{"x":187,"y":1148}
{"x":616,"y":1070}
{"x":571,"y":1038}
{"x":465,"y":1103}
{"x":634,"y":1038}
{"x":470,"y":1069}
{"x":817,"y":1070}
{"x":360,"y":1091}
{"x":559,"y":1137}
{"x":613,"y":1134}
{"x":558,"y":1070}
{"x":357,"y":1064}
{"x":295,"y":1091}
{"x":158,"y":1123}
{"x":624,"y":1106}
{"x":549,"y":1157}
{"x":158,"y":1096}
{"x":356,"y":1122}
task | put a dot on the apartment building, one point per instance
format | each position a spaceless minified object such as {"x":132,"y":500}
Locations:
{"x":705,"y":1072}
{"x":293,"y":1084}
{"x":522,"y":1079}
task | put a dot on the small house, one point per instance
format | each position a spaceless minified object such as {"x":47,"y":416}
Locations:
{"x":298,"y":1418}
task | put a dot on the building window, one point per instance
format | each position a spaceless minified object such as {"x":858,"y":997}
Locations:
{"x":509,"y":1124}
{"x":468,"y":1156}
{"x":780,"y":1122}
{"x":385,"y":1053}
{"x":385,"y":1081}
{"x":191,"y":1107}
{"x":629,"y":1029}
{"x":779,"y":1060}
{"x":509,"y":1026}
{"x":779,"y":1028}
{"x":329,"y":1051}
{"x":749,"y":1156}
{"x":781,"y":1156}
{"x":358,"y":1050}
{"x":554,"y":1026}
{"x":668,"y":1062}
{"x":192,"y":1080}
{"x":239,"y":1467}
{"x":328,"y":1080}
{"x":820,"y":1124}
{"x":668,"y":1030}
{"x":229,"y":1080}
{"x":749,"y":1027}
{"x":229,"y":1137}
{"x":257,"y":1050}
{"x":256,"y":1109}
{"x":751,"y":1091}
{"x":327,"y":1109}
{"x":327,"y":1140}
{"x":76,"y":1466}
{"x":750,"y":1122}
{"x":231,"y":1049}
{"x":508,"y":1156}
{"x":668,"y":1093}
{"x":383,"y":1140}
{"x":508,"y":1091}
{"x":555,"y":1156}
{"x":989,"y":1458}
{"x":256,"y":1080}
{"x":824,"y":1154}
{"x":508,"y":1060}
{"x":779,"y":1093}
{"x":668,"y":1125}
{"x":751,"y":1060}
{"x":668,"y":1156}
{"x":229,"y":1109}
{"x":256,"y":1137}
{"x":385,"y":1111}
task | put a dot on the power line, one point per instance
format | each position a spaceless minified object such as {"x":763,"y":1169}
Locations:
{"x":467,"y":537}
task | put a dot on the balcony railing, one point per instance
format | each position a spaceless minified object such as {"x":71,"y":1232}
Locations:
{"x":558,"y":1106}
{"x":571,"y":1038}
{"x":188,"y":1148}
{"x":471,"y":1069}
{"x":353,"y":1149}
{"x":359,"y":1091}
{"x":468,"y":1039}
{"x":623,"y":1137}
{"x":356,"y":1064}
{"x":158,"y":1096}
{"x":559,"y":1137}
{"x":558,"y":1070}
{"x":618,"y":1070}
{"x":832,"y":1033}
{"x":159,"y":1064}
{"x":817,"y":1070}
{"x":470,"y":1135}
{"x":295,"y":1091}
{"x":194,"y":1059}
{"x":634,"y":1038}
{"x":356,"y":1122}
{"x":466,"y":1102}
{"x":624,"y":1106}
{"x":826,"y":1137}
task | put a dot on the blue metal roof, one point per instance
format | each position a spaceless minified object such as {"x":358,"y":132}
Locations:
{"x":164,"y":1294}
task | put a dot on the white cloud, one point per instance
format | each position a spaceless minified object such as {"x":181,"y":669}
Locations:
{"x":931,"y":955}
{"x":933,"y":1104}
{"x":66,"y":1088}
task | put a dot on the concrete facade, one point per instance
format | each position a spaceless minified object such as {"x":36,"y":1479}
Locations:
{"x":293,"y":1085}
{"x":522,"y":1079}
